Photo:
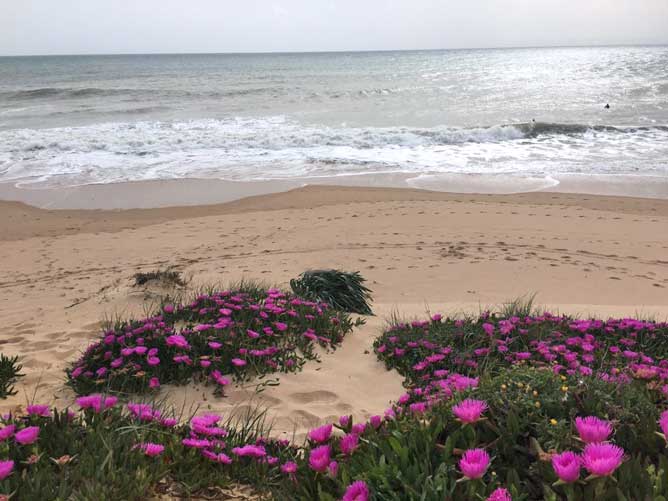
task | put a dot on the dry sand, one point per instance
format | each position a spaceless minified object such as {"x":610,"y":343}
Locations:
{"x":61,"y":272}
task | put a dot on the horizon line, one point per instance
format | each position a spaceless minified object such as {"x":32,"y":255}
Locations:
{"x":336,"y":51}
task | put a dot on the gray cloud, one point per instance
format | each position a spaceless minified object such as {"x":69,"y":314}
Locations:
{"x":141,"y":26}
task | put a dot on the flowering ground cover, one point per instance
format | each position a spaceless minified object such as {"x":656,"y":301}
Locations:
{"x":514,"y":408}
{"x":522,"y":408}
{"x":241,"y":333}
{"x":101,"y":449}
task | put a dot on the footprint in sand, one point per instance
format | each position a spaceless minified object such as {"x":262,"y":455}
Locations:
{"x":314,"y":397}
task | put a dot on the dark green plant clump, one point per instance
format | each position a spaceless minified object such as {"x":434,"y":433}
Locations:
{"x":342,"y":290}
{"x":9,"y":373}
{"x":166,"y":277}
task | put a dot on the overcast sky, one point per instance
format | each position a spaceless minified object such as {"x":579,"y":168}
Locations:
{"x":144,"y":26}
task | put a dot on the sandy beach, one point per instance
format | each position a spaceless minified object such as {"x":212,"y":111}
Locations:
{"x":64,"y":271}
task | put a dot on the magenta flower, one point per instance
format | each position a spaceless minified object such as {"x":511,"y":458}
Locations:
{"x":178,"y":341}
{"x":319,"y":458}
{"x":6,"y":468}
{"x":255,"y":451}
{"x":322,"y":434}
{"x":237,"y":362}
{"x":154,"y":382}
{"x":663,"y":423}
{"x":500,"y":494}
{"x":217,"y":458}
{"x":344,"y":421}
{"x":289,"y":468}
{"x":27,"y":435}
{"x":332,"y":469}
{"x":349,"y":443}
{"x":96,"y":402}
{"x":567,"y":466}
{"x":592,"y":429}
{"x":376,"y":421}
{"x":474,"y":463}
{"x":7,"y":432}
{"x":150,"y":449}
{"x":602,"y":459}
{"x":357,"y":491}
{"x":469,"y":410}
{"x":38,"y":410}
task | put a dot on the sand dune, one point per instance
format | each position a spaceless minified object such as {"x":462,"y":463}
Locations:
{"x":62,"y":272}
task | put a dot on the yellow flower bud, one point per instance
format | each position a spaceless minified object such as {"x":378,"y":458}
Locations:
{"x":553,"y":422}
{"x":564,"y":389}
{"x":537,"y":404}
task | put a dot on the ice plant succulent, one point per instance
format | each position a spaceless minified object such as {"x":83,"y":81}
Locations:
{"x":469,"y":410}
{"x":567,"y":466}
{"x":602,"y":459}
{"x":592,"y":429}
{"x":357,"y":491}
{"x":474,"y":463}
{"x":27,"y":435}
{"x":500,"y":494}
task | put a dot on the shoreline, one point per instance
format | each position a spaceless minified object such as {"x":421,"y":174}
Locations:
{"x":20,"y":220}
{"x":152,"y":194}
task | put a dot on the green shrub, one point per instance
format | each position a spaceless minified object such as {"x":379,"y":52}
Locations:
{"x":9,"y":373}
{"x":342,"y":290}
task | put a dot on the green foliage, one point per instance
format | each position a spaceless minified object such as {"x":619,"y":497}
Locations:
{"x":164,"y":277}
{"x":9,"y":373}
{"x":344,"y":291}
{"x":92,"y":456}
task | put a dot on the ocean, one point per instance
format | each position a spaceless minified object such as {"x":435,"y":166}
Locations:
{"x":511,"y":114}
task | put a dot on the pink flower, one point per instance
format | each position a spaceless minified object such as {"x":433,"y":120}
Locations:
{"x":357,"y":491}
{"x":567,"y":466}
{"x":168,"y":308}
{"x":6,"y":468}
{"x":469,"y":410}
{"x":349,"y":443}
{"x":592,"y":429}
{"x":322,"y":434}
{"x":344,"y":421}
{"x":359,"y":428}
{"x":214,"y":345}
{"x":178,"y":341}
{"x":474,"y":463}
{"x":319,"y":458}
{"x":376,"y":421}
{"x":38,"y":410}
{"x":250,"y":450}
{"x":96,"y":402}
{"x":289,"y":468}
{"x":153,"y":361}
{"x":332,"y":469}
{"x":154,"y":382}
{"x":602,"y":459}
{"x":500,"y":494}
{"x":7,"y":432}
{"x":663,"y":423}
{"x":195,"y":443}
{"x":27,"y":435}
{"x":217,"y":458}
{"x":237,"y":362}
{"x":150,"y":449}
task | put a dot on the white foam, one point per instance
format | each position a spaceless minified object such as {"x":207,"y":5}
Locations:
{"x":276,"y":147}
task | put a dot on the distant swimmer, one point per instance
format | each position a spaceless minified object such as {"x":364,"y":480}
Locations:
{"x":607,"y":106}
